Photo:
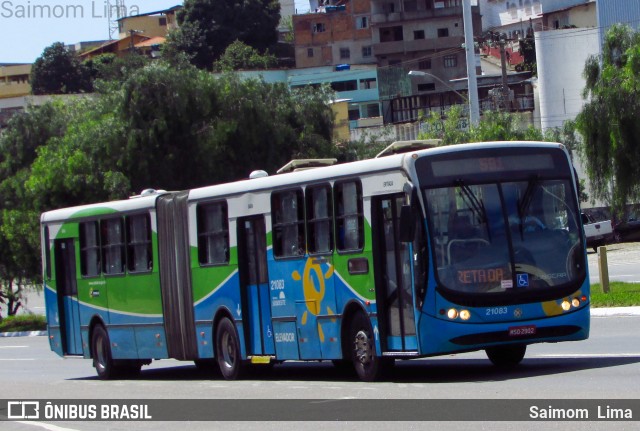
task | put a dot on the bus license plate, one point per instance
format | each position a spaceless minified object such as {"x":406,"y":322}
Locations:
{"x":521,"y":331}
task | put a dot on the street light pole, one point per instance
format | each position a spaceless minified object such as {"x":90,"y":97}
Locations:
{"x":469,"y":46}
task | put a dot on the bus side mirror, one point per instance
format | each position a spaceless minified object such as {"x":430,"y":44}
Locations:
{"x":407,"y":224}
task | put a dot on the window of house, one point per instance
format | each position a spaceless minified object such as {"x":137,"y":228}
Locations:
{"x":389,"y":7}
{"x":443,"y":32}
{"x":113,"y":246}
{"x":287,"y":212}
{"x":309,"y":52}
{"x":450,"y":61}
{"x":418,"y":34}
{"x":89,"y":249}
{"x":351,"y":85}
{"x":354,"y":114}
{"x":368,"y":83}
{"x":213,"y":233}
{"x":366,"y":51}
{"x":139,"y":254}
{"x":319,"y":219}
{"x":410,"y":5}
{"x":427,"y":87}
{"x":424,"y":64}
{"x":391,"y":34}
{"x":373,"y":110}
{"x":349,"y":216}
{"x":362,"y":22}
{"x":345,"y":53}
{"x":318,"y":27}
{"x":162,"y":21}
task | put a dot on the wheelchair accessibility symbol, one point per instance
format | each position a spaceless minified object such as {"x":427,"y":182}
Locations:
{"x":523,"y":280}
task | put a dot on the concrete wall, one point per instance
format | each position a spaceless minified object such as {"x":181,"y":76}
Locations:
{"x":496,"y":14}
{"x":340,"y":31}
{"x":580,"y":16}
{"x":561,"y":55}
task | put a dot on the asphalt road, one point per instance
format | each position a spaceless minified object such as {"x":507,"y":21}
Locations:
{"x":605,"y":367}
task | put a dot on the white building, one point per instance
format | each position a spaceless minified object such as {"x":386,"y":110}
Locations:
{"x":561,"y":55}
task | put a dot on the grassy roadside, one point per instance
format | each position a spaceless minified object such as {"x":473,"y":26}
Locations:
{"x":620,"y":295}
{"x":23,"y":322}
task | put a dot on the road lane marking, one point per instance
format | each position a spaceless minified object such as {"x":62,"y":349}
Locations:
{"x":49,"y":427}
{"x":17,"y":359}
{"x":589,"y":355}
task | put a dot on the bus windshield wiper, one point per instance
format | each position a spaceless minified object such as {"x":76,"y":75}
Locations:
{"x":525,"y":202}
{"x":477,"y":205}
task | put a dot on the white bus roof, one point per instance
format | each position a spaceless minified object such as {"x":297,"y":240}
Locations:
{"x":310,"y":176}
{"x":133,"y":204}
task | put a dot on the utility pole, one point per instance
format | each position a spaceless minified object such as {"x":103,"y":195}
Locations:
{"x":506,"y":96}
{"x":470,"y":48}
{"x":116,"y":9}
{"x":503,"y":100}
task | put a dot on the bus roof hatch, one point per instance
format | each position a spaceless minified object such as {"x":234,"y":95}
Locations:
{"x":405,"y":146}
{"x":302,"y":164}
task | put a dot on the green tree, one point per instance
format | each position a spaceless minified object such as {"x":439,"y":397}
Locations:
{"x":164,"y":127}
{"x":493,"y":126}
{"x":208,"y":27}
{"x":239,"y":56}
{"x":19,"y":239}
{"x":109,"y":67}
{"x":608,"y":122}
{"x":59,"y":71}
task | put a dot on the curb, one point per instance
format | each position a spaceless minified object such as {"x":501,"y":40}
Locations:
{"x":23,"y":334}
{"x":617,"y":311}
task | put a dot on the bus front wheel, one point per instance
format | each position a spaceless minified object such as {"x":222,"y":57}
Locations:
{"x":506,"y":356}
{"x":228,"y":350}
{"x":363,"y":350}
{"x":102,"y":359}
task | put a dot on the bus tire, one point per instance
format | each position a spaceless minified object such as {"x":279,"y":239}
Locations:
{"x":228,"y":351}
{"x":101,"y":349}
{"x":367,"y":364}
{"x":506,"y":356}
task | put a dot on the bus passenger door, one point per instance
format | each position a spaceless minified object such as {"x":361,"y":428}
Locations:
{"x":67,"y":288}
{"x":254,"y":286}
{"x":394,"y":293}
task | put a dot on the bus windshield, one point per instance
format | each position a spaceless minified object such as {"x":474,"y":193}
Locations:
{"x":502,"y":238}
{"x":505,"y":237}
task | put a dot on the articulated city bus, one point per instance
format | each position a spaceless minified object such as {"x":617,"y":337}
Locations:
{"x":428,"y":252}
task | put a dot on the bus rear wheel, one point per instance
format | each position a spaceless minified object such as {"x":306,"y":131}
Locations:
{"x":368,"y":365}
{"x":228,"y":350}
{"x":101,"y":349}
{"x":506,"y":356}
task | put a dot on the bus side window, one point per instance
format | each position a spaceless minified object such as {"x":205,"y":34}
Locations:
{"x":47,"y":254}
{"x":89,"y":249}
{"x":287,"y":210}
{"x":213,"y":233}
{"x":113,"y":251}
{"x":349,"y":216}
{"x":139,"y":255}
{"x":319,"y":219}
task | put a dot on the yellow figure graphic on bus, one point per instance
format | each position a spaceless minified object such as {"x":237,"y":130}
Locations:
{"x":314,"y":288}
